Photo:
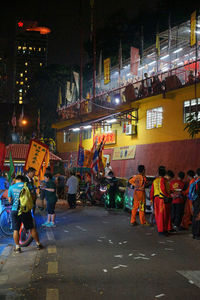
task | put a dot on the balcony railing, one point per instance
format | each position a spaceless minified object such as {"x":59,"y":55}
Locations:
{"x":110,"y":101}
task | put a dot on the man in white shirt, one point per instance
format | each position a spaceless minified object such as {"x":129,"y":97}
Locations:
{"x":72,"y":188}
{"x":108,"y":168}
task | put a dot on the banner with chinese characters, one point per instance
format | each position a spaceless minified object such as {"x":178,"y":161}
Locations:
{"x":36,"y":155}
{"x":126,"y":152}
{"x":135,"y":57}
{"x":193,"y":29}
{"x":110,"y":138}
{"x":106,"y":71}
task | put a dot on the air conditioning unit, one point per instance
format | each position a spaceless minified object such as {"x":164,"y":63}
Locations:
{"x":131,"y":129}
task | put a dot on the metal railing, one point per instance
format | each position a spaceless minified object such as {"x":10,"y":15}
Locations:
{"x":111,"y":100}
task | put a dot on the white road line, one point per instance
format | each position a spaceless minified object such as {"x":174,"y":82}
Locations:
{"x":50,"y":235}
{"x":52,"y":267}
{"x":82,"y":229}
{"x":52,"y":249}
{"x":193,"y":276}
{"x":52,"y":294}
{"x":159,"y":296}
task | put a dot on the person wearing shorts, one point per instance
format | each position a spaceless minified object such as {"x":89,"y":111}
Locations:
{"x":26,"y":218}
{"x":51,"y":198}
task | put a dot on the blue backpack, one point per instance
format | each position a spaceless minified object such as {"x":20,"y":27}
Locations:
{"x":193,"y":191}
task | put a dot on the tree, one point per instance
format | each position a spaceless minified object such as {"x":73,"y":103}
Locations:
{"x":193,"y":126}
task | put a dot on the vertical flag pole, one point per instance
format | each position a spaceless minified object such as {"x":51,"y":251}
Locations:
{"x":93,"y":35}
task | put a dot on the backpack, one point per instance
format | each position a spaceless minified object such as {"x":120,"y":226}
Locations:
{"x":193,"y":191}
{"x":25,"y":200}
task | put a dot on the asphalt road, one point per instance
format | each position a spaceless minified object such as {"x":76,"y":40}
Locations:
{"x":96,"y":254}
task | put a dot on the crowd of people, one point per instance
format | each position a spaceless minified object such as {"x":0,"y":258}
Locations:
{"x":175,"y":200}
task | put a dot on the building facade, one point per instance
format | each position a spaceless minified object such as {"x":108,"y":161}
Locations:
{"x":31,"y":49}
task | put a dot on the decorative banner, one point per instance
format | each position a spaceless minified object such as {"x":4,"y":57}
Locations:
{"x":36,"y":155}
{"x":158,"y":44}
{"x":126,"y":152}
{"x":106,"y":71}
{"x":135,"y":57}
{"x":110,"y":138}
{"x":80,"y":159}
{"x":76,"y":78}
{"x":68,"y":91}
{"x":88,"y":155}
{"x":193,"y":29}
{"x":2,"y":155}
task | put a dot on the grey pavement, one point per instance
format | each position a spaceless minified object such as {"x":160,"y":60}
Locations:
{"x":96,"y":254}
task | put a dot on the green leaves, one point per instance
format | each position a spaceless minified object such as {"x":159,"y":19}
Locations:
{"x":193,"y":126}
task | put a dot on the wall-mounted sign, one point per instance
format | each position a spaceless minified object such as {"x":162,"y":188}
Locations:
{"x":110,"y":138}
{"x":126,"y":152}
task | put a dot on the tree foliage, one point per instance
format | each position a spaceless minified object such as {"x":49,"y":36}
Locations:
{"x":193,"y":126}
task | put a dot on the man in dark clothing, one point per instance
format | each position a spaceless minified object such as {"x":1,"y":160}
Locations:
{"x":30,"y":183}
{"x":196,"y":210}
{"x":112,"y":180}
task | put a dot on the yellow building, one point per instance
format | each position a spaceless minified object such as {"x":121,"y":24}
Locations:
{"x":147,"y":130}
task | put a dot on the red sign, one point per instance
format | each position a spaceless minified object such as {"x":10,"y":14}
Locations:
{"x":2,"y":155}
{"x":134,"y":60}
{"x":110,"y":138}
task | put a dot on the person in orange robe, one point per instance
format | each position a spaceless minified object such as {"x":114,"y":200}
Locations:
{"x":162,"y":210}
{"x":186,"y":220}
{"x":139,"y":182}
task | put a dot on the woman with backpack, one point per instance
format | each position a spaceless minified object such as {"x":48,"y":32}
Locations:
{"x":51,"y":198}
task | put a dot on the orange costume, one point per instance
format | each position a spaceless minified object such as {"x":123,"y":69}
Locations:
{"x":162,"y":210}
{"x":186,"y":220}
{"x":139,"y":196}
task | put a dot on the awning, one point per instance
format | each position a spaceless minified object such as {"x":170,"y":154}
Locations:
{"x":20,"y":151}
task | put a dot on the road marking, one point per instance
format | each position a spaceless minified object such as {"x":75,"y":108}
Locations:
{"x":119,"y":256}
{"x":52,"y":267}
{"x":192,"y":276}
{"x":52,"y":294}
{"x":50,"y":235}
{"x":105,"y":270}
{"x":120,"y":266}
{"x":82,"y":229}
{"x":159,"y":296}
{"x":51,"y":249}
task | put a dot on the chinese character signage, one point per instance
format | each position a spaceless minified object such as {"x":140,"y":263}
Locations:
{"x":193,"y":29}
{"x":110,"y":138}
{"x":126,"y":152}
{"x":36,"y":155}
{"x":106,"y":71}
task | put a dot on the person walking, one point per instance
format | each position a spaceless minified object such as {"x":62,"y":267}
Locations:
{"x":162,"y":206}
{"x":139,"y":182}
{"x":25,"y":217}
{"x":51,"y":198}
{"x":186,"y":220}
{"x":72,"y":188}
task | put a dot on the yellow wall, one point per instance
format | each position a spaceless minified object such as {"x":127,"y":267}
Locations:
{"x":171,"y":130}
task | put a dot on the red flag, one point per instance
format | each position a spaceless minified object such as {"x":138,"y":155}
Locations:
{"x":14,"y":120}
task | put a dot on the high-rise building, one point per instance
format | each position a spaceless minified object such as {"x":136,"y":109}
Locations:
{"x":31,"y":48}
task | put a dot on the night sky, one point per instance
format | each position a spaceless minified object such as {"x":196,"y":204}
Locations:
{"x":63,"y":19}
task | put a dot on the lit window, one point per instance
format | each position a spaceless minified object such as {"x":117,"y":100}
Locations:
{"x":25,"y":71}
{"x":44,"y":49}
{"x":20,"y":98}
{"x":34,"y":48}
{"x":154,"y":118}
{"x":25,"y":91}
{"x":40,"y":64}
{"x":30,"y":48}
{"x":19,"y":47}
{"x":20,"y":90}
{"x":20,"y":102}
{"x":17,"y":82}
{"x":39,"y":49}
{"x":21,"y":75}
{"x":26,"y":79}
{"x":21,"y":82}
{"x":26,"y":64}
{"x":28,"y":86}
{"x":106,"y":128}
{"x":64,"y":137}
{"x":191,"y":108}
{"x":24,"y":48}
